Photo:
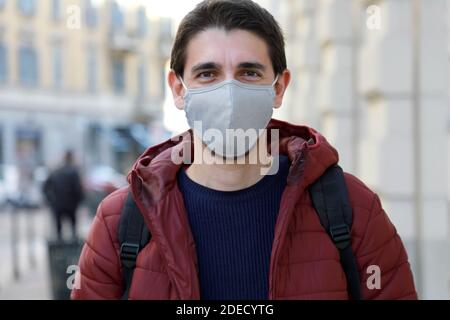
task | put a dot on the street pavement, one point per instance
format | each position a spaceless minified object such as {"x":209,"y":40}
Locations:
{"x":30,"y":279}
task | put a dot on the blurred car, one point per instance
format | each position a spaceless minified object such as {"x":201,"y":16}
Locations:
{"x":12,"y":194}
{"x":3,"y":185}
{"x":99,"y":182}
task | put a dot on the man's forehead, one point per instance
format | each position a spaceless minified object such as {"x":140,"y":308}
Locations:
{"x":241,"y":65}
{"x":226,"y":48}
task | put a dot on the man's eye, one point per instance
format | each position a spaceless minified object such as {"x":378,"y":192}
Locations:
{"x":206,"y":75}
{"x":251,"y":74}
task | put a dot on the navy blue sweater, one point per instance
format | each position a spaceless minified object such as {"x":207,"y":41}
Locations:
{"x":233,"y":232}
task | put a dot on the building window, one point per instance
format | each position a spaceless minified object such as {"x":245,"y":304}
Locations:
{"x":118,"y":70}
{"x":3,"y":64}
{"x":90,"y":14}
{"x":2,"y":160}
{"x":91,"y":69}
{"x":57,"y":57}
{"x":142,"y":22}
{"x":28,"y":150}
{"x":94,"y":136}
{"x":27,"y":7}
{"x":142,"y":80}
{"x":56,"y":10}
{"x":28,"y":66}
{"x":117,"y":20}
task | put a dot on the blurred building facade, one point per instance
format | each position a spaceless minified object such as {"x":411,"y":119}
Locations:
{"x":373,"y":77}
{"x":79,"y":74}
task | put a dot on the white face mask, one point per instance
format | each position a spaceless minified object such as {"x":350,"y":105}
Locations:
{"x":227,"y":107}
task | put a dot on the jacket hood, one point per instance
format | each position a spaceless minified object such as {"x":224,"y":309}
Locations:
{"x":154,"y":172}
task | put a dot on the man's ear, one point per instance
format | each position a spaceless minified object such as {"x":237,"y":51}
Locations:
{"x":177,"y":89}
{"x":280,"y":87}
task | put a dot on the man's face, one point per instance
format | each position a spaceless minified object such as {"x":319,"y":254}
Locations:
{"x":216,"y":55}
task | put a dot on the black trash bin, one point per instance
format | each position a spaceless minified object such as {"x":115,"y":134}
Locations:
{"x":63,"y":259}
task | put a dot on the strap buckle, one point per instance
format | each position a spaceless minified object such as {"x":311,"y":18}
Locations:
{"x":340,"y":235}
{"x":128,"y":254}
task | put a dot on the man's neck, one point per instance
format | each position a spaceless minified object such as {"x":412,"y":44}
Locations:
{"x":216,"y":173}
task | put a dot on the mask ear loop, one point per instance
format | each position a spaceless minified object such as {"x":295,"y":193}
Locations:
{"x":182,"y":82}
{"x":276,"y":79}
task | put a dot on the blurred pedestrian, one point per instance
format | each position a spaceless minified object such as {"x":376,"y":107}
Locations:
{"x":64,"y":193}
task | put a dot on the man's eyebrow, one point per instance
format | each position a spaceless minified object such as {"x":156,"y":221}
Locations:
{"x":205,"y":66}
{"x":251,"y":65}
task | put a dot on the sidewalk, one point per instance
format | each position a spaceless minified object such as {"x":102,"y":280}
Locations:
{"x":32,"y":258}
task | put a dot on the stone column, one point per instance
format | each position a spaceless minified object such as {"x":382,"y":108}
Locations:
{"x":403,"y":152}
{"x":336,"y":80}
{"x":303,"y":61}
{"x":433,"y":114}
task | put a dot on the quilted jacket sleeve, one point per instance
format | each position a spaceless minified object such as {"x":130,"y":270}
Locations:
{"x":99,"y":274}
{"x":380,"y":253}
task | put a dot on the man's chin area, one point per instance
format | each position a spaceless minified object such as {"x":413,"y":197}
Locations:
{"x":233,"y":158}
{"x":249,"y":158}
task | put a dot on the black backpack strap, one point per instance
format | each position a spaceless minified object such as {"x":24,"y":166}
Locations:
{"x":330,"y":199}
{"x":133,"y":236}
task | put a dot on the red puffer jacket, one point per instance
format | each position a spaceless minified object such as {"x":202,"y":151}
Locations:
{"x":304,"y":262}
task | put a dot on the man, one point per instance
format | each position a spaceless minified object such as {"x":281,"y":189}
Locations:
{"x":64,"y":193}
{"x":224,"y":227}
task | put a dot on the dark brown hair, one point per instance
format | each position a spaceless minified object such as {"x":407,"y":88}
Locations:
{"x":229,"y":14}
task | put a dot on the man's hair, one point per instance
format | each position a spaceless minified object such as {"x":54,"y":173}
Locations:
{"x":229,"y":15}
